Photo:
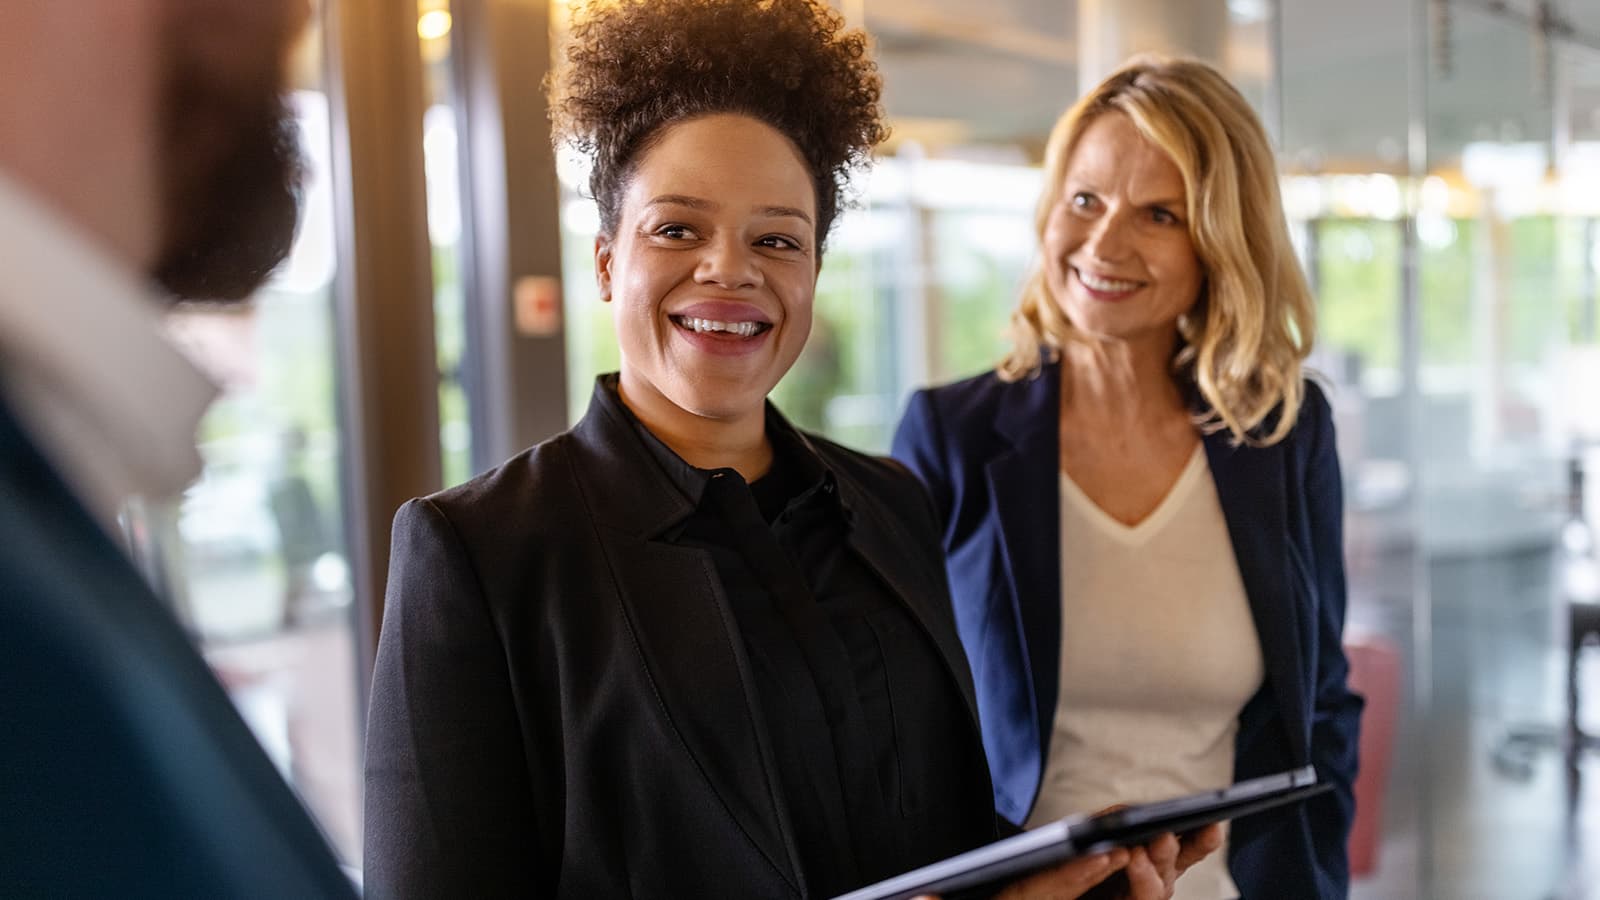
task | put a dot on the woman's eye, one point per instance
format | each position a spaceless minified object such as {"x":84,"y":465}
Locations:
{"x":1082,"y":200}
{"x":778,"y":242}
{"x":675,"y":232}
{"x":1163,"y":216}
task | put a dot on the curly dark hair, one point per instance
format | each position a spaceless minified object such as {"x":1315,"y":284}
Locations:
{"x":634,"y":67}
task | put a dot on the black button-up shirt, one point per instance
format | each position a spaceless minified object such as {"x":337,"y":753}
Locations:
{"x":868,"y":730}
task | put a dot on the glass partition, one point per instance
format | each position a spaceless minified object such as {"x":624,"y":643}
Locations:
{"x":254,"y":554}
{"x":1495,"y":384}
{"x":441,"y":157}
{"x":1439,"y":196}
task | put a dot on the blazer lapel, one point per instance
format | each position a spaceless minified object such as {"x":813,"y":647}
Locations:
{"x":1250,"y":485}
{"x":1022,"y":481}
{"x":674,"y":605}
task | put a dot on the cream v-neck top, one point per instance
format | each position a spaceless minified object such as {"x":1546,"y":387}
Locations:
{"x":1159,"y":654}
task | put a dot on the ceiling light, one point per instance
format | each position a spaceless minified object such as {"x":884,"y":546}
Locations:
{"x":433,"y":24}
{"x":1248,"y":12}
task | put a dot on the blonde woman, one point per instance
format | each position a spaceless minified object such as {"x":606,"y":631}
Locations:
{"x":1141,"y":505}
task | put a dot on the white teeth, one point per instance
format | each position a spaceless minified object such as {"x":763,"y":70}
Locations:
{"x":1106,"y":284}
{"x":742,"y":329}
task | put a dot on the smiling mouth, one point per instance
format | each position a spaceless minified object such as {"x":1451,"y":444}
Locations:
{"x":1107,"y":285}
{"x":743,"y":330}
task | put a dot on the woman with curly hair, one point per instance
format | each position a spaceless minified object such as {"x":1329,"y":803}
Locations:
{"x":1141,"y":505}
{"x":684,"y":649}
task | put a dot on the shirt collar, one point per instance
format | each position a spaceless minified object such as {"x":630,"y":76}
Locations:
{"x":85,"y":365}
{"x":787,"y":441}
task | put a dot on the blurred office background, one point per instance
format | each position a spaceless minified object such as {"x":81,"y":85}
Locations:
{"x":1441,"y":173}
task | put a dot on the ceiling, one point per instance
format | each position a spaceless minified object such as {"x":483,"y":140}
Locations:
{"x":965,"y":78}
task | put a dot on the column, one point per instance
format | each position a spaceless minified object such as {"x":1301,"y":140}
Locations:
{"x":1109,"y":31}
{"x":516,"y":347}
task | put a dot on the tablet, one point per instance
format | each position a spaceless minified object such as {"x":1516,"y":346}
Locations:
{"x":990,"y":867}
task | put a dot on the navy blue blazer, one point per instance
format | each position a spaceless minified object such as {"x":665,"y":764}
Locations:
{"x":124,"y":769}
{"x":988,"y":451}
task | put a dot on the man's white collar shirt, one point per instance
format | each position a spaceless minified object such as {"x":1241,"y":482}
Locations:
{"x":85,"y":366}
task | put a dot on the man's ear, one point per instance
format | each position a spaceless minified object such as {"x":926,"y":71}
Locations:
{"x":602,"y":266}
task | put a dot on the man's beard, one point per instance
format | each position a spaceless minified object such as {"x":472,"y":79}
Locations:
{"x":230,"y":182}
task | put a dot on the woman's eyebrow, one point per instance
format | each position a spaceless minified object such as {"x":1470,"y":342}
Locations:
{"x":774,"y":212}
{"x":780,"y":212}
{"x":681,"y":200}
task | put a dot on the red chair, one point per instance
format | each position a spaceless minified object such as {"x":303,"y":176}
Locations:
{"x":1375,"y":674}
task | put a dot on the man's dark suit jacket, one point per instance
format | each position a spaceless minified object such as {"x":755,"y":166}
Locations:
{"x":124,"y":769}
{"x":562,"y":705}
{"x":989,"y":452}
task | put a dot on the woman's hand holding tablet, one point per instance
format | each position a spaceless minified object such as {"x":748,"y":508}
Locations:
{"x":1051,"y":859}
{"x":1144,"y":873}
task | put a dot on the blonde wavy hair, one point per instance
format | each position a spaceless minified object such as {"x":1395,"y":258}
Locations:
{"x":1243,"y":342}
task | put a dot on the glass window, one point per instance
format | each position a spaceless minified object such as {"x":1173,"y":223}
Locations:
{"x":441,"y":159}
{"x":253,"y":555}
{"x":1456,"y":447}
{"x":983,"y":262}
{"x":1357,"y":281}
{"x":591,"y":341}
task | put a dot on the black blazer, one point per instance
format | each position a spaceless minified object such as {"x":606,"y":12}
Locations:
{"x":989,"y":452}
{"x":124,"y":769}
{"x":561,"y":704}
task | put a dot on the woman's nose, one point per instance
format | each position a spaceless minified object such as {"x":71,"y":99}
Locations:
{"x":1108,"y":238}
{"x":729,"y":264}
